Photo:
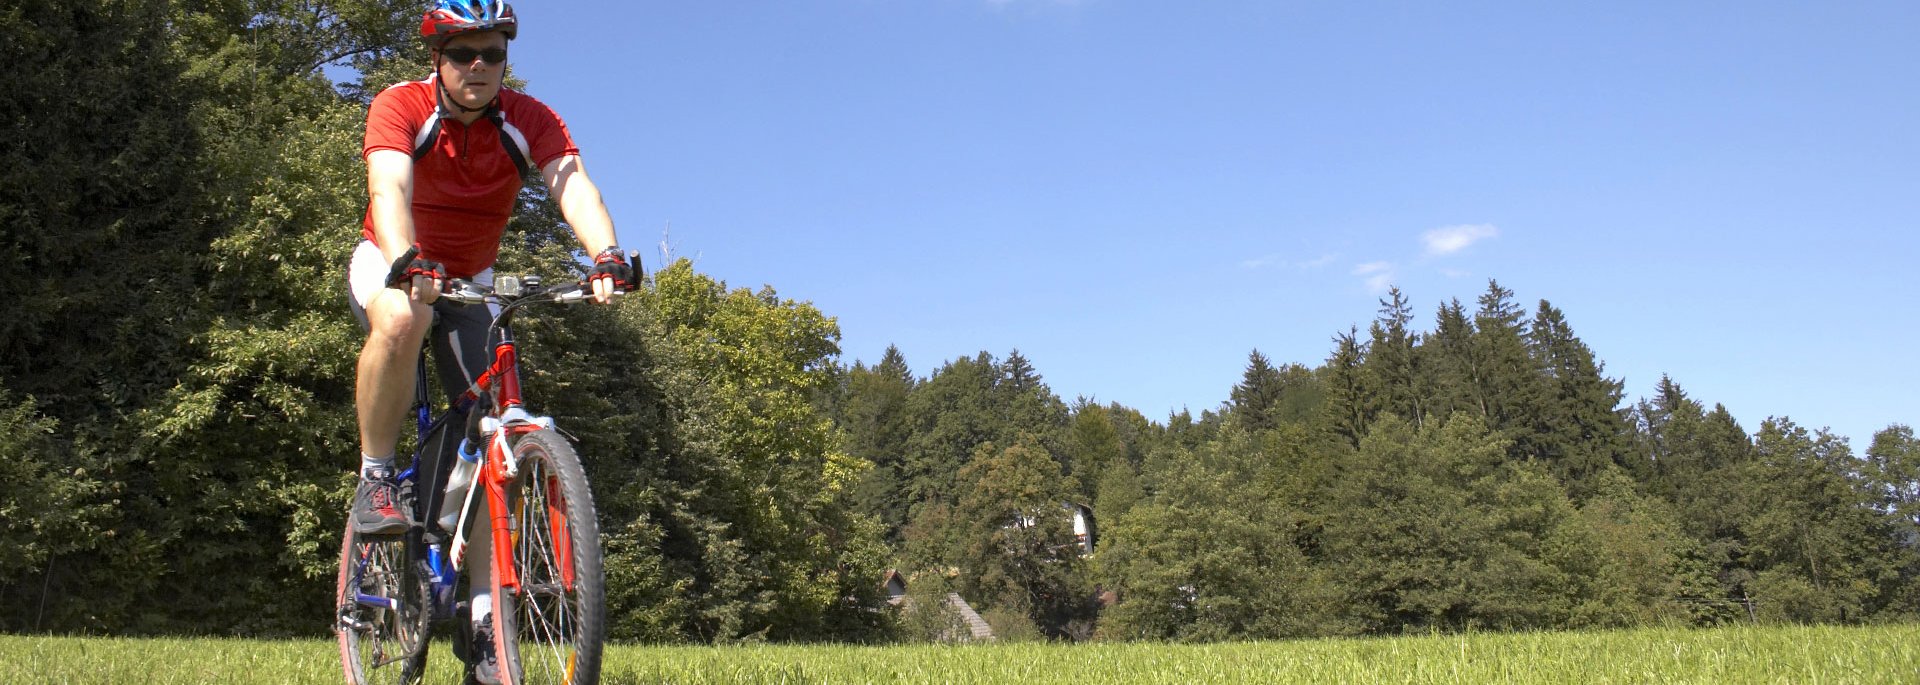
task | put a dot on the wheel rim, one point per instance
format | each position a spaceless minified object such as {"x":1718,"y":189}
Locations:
{"x":546,"y":612}
{"x":379,"y":636}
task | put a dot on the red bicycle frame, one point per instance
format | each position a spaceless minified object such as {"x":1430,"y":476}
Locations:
{"x":503,"y":378}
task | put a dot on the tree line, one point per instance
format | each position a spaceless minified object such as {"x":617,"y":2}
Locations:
{"x":181,"y":188}
{"x":1484,"y":474}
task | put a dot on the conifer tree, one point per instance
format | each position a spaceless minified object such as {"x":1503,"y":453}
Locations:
{"x":1650,"y":419}
{"x":1506,"y":379}
{"x":1026,"y":403}
{"x":1452,"y":361}
{"x":1580,"y":430}
{"x":1257,"y":395}
{"x":1392,"y":367}
{"x":873,"y":414}
{"x":1349,"y":405}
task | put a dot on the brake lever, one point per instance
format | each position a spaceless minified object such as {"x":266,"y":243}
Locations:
{"x":465,"y":292}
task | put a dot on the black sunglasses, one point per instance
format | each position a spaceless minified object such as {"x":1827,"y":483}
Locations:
{"x":465,"y":55}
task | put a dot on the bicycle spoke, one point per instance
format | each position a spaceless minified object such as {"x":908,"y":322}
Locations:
{"x":556,"y":638}
{"x":537,"y":557}
{"x":380,"y":607}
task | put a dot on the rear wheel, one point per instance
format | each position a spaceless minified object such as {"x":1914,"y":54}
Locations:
{"x":550,"y":630}
{"x":380,"y":610}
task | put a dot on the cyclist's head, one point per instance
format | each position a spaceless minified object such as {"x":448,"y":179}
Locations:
{"x":469,"y":39}
{"x":448,"y":18}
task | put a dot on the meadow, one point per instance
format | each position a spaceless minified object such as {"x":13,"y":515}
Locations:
{"x":1874,"y":654}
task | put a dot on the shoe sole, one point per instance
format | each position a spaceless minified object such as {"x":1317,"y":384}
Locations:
{"x":393,"y":528}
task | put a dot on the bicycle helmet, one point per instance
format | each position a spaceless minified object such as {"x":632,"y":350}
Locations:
{"x":449,"y":18}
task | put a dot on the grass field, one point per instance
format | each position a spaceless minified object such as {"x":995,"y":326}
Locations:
{"x":1816,"y":655}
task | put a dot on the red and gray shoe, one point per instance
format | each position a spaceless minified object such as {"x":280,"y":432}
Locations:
{"x":376,"y":506}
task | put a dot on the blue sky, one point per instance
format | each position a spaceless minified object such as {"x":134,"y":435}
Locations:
{"x":1136,"y":194}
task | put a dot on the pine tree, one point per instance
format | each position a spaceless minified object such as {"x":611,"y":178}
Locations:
{"x":1392,"y":366}
{"x":1580,"y":430}
{"x":1506,"y":379}
{"x":1026,"y":403}
{"x":1651,"y":417}
{"x":874,"y":416}
{"x":1257,"y":396}
{"x":1452,"y":361}
{"x":1349,"y":406}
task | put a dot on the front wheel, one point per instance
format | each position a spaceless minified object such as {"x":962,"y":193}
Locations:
{"x":380,"y":610}
{"x":550,"y":629}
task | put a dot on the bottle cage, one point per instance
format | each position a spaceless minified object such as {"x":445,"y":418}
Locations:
{"x":510,"y":137}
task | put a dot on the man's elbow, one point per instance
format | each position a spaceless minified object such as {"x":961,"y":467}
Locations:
{"x":387,"y":194}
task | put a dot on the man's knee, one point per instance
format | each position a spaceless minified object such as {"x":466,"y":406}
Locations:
{"x":396,"y":320}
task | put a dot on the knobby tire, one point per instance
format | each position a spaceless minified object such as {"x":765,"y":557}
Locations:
{"x":378,"y":645}
{"x":551,"y":631}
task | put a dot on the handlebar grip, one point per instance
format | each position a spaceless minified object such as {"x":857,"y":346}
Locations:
{"x":579,"y":292}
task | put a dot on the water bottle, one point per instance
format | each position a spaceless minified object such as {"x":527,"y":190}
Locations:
{"x":457,"y":483}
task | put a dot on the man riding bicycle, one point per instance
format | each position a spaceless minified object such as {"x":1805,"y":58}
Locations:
{"x":445,"y":163}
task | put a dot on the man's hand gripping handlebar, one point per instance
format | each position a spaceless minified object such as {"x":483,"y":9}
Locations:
{"x":423,"y":279}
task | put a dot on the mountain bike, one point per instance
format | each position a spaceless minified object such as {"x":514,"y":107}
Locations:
{"x":520,"y":473}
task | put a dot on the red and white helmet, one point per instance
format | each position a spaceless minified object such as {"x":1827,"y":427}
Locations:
{"x":449,"y":18}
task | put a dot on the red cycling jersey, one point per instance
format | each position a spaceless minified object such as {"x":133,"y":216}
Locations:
{"x":465,"y":185}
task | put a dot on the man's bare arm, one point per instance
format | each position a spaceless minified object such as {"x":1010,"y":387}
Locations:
{"x":580,"y":203}
{"x":390,"y":194}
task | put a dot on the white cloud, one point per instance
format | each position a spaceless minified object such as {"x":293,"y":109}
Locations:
{"x":1281,"y":261}
{"x":1447,"y":240}
{"x":1317,"y":263}
{"x":1378,"y":275}
{"x":1260,"y":262}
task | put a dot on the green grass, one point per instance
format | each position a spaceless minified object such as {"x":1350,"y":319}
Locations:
{"x":1813,"y":655}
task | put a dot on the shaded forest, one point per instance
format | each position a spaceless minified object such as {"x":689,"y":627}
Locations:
{"x":182,"y":187}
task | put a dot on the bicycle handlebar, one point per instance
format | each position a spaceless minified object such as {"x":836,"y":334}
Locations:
{"x":508,"y":290}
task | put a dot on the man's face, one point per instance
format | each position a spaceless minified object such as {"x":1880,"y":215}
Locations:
{"x":473,"y":81}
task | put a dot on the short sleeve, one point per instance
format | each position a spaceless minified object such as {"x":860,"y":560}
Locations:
{"x":547,"y":136}
{"x":391,"y":122}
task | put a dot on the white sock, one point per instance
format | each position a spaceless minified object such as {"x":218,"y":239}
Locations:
{"x":482,"y":606}
{"x":375,"y":465}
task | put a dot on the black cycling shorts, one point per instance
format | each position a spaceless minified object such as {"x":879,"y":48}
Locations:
{"x":459,"y":334}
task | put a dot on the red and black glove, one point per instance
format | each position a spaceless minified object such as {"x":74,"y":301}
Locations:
{"x":411,"y":264}
{"x":610,"y":263}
